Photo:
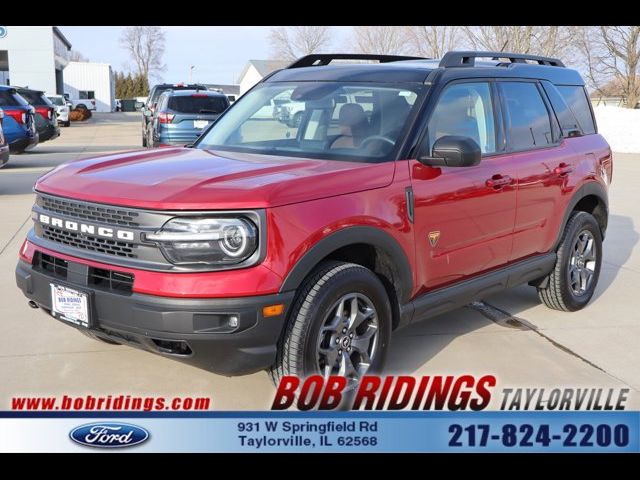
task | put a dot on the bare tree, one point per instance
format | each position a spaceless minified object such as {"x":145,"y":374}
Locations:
{"x":389,"y":40}
{"x":612,"y":57}
{"x":289,"y":43}
{"x":145,"y":45}
{"x":536,"y":40}
{"x":433,"y":41}
{"x":76,"y":56}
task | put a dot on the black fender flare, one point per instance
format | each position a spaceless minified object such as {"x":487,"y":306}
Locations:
{"x":591,"y":188}
{"x":349,"y":236}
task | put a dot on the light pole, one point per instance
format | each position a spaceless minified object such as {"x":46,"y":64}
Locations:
{"x":191,"y":73}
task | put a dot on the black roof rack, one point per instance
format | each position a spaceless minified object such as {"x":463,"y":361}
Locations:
{"x":318,"y":59}
{"x":467,"y":59}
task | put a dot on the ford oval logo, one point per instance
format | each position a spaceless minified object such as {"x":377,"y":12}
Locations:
{"x":109,"y":435}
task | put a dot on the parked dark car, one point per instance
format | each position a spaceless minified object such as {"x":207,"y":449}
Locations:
{"x":149,"y":108}
{"x":19,"y":123}
{"x":4,"y":146}
{"x":45,"y":117}
{"x":183,"y":115}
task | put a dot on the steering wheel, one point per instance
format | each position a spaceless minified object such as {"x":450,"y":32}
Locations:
{"x":373,"y":138}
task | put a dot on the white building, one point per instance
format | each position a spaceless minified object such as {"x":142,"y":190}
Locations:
{"x":256,"y":70}
{"x":91,"y":81}
{"x":33,"y":57}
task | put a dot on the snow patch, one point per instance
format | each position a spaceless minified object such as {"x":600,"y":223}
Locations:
{"x":620,"y":127}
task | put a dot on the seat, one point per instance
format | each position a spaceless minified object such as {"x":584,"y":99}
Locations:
{"x":354,"y":126}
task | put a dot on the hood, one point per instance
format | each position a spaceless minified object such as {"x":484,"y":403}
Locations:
{"x":194,"y":179}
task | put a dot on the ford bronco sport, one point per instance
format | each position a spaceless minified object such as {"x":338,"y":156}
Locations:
{"x":409,"y":187}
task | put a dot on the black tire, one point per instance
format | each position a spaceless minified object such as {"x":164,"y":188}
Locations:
{"x":559,"y":294}
{"x":326,"y":285}
{"x":81,"y":106}
{"x":67,"y":124}
{"x":98,"y":337}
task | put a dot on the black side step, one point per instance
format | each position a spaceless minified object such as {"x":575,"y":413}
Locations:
{"x":449,"y":298}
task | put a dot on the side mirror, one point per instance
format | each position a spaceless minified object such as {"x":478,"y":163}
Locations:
{"x":147,"y":113}
{"x":453,"y":151}
{"x":139,"y":105}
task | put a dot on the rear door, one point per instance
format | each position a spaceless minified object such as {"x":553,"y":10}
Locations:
{"x":542,"y":161}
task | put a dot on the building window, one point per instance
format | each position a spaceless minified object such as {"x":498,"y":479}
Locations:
{"x":87,"y":94}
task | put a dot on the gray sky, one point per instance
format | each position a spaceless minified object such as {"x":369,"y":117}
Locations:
{"x":218,"y":53}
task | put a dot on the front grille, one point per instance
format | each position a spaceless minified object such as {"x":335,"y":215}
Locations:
{"x":88,"y":242}
{"x":111,"y":280}
{"x":54,"y":266}
{"x":100,"y":278}
{"x":93,"y":213}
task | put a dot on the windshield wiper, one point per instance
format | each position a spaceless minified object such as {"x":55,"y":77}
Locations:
{"x":204,"y":110}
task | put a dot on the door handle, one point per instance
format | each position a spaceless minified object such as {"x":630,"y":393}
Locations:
{"x":563,"y":169}
{"x":498,"y":181}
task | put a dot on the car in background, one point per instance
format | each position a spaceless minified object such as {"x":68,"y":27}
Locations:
{"x":289,"y":113}
{"x":4,"y":146}
{"x":183,"y":115}
{"x":117,"y":105}
{"x":62,"y":109}
{"x":19,"y":124}
{"x":232,"y":98}
{"x":150,"y":106}
{"x":81,"y":103}
{"x":45,"y":117}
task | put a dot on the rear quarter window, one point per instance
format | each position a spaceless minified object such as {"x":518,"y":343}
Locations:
{"x":577,"y":100}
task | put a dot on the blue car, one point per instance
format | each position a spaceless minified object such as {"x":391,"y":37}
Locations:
{"x":4,"y":146}
{"x":19,"y":122}
{"x":182,"y":115}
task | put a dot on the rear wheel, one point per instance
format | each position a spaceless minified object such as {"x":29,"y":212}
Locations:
{"x":571,"y":284}
{"x":340,"y":324}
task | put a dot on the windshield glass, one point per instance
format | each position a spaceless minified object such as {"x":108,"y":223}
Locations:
{"x":328,"y":120}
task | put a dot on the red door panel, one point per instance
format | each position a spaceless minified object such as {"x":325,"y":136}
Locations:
{"x":470,"y":214}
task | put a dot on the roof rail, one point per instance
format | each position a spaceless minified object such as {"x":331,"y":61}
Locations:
{"x":319,"y":59}
{"x":467,"y":58}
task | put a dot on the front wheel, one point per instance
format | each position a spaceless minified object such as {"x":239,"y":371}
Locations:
{"x":571,"y":284}
{"x":340,"y":324}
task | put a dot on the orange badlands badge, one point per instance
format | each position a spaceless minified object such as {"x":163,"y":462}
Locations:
{"x":433,"y":238}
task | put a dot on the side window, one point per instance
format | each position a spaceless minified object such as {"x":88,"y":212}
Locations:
{"x":578,"y":102}
{"x":528,"y":121}
{"x":565,"y":116}
{"x":465,"y":109}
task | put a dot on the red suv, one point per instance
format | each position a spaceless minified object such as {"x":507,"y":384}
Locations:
{"x":408,"y":188}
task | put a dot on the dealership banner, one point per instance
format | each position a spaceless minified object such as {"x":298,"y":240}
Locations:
{"x":291,"y":431}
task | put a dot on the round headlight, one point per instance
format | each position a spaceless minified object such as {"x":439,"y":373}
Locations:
{"x":234,"y":239}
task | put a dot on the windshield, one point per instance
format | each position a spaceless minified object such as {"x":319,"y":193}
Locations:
{"x":328,"y":120}
{"x":57,"y":101}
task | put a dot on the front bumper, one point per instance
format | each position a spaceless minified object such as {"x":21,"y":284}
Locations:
{"x":193,"y":331}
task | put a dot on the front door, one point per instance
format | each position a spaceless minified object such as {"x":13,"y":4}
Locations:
{"x":464,"y":217}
